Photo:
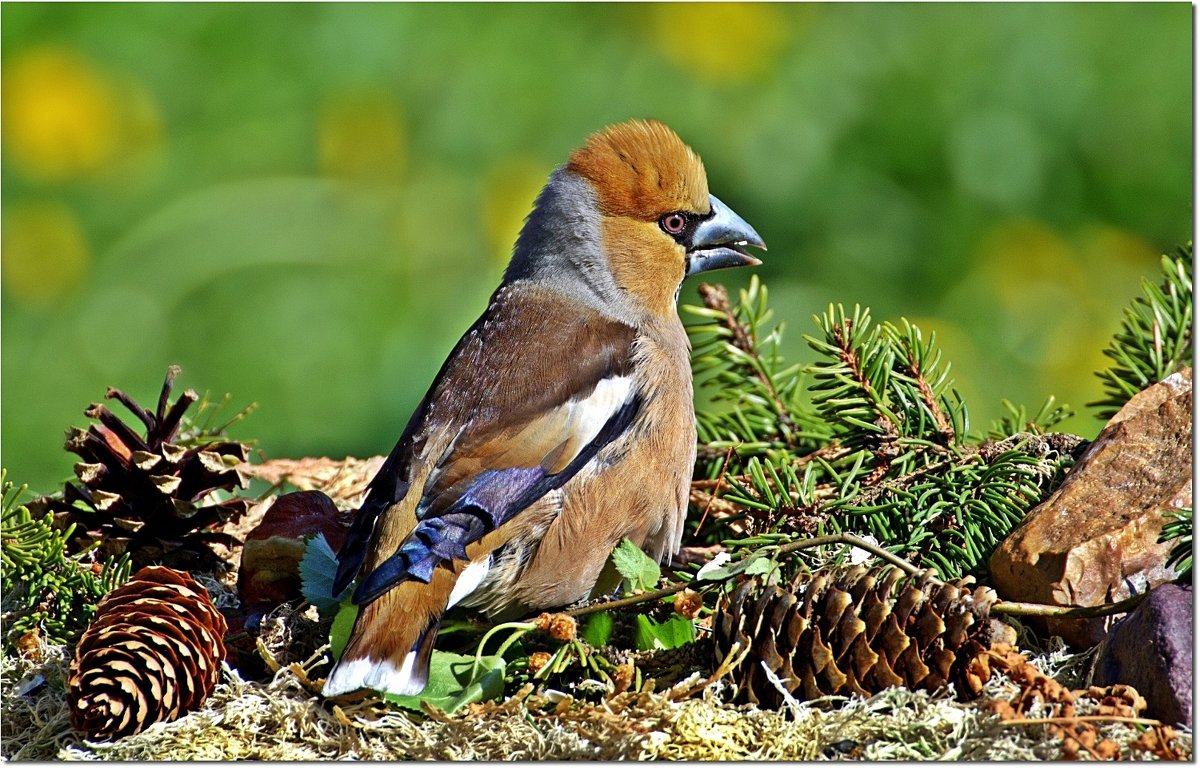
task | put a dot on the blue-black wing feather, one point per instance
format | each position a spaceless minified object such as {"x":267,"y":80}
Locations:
{"x":493,"y":498}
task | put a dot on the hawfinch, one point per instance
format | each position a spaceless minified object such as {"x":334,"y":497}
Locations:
{"x":562,"y":421}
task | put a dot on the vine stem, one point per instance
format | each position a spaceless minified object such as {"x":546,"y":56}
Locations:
{"x":519,"y":627}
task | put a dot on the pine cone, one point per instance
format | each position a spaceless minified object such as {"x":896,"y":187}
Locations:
{"x":153,"y":653}
{"x":855,"y":630}
{"x":150,"y":496}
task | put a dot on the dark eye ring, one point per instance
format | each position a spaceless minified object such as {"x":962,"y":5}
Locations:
{"x":673,"y":223}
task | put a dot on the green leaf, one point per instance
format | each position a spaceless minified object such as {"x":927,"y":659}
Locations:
{"x":760,"y":565}
{"x":649,"y":635}
{"x":317,"y":569}
{"x":752,"y":564}
{"x":339,"y":632}
{"x":455,"y":681}
{"x":635,"y":566}
{"x":598,"y":630}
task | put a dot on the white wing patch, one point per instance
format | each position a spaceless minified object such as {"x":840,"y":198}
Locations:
{"x":591,"y":413}
{"x":470,"y":578}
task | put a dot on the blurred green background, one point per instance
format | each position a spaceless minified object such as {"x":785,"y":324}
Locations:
{"x":305,"y":205}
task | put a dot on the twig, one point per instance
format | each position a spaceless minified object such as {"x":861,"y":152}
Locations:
{"x":935,"y":409}
{"x":1012,"y":608}
{"x":849,"y":357}
{"x":625,"y":602}
{"x":716,"y":488}
{"x":1001,"y":607}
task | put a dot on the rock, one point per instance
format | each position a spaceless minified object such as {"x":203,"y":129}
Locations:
{"x":270,"y":571}
{"x":1151,"y":649}
{"x":1095,"y":540}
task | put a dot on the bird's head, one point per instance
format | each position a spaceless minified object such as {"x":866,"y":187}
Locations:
{"x":631,"y":215}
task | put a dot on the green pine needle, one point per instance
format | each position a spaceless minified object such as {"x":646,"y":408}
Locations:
{"x":48,"y":591}
{"x":1178,"y":529}
{"x":1018,"y":420}
{"x":1155,"y":338}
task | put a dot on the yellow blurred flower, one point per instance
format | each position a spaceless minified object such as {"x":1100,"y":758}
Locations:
{"x":1020,"y":254}
{"x":361,"y":135}
{"x":1104,"y":244}
{"x":1058,"y":310}
{"x":509,"y":191}
{"x":60,"y":117}
{"x":720,"y":41}
{"x":45,"y":252}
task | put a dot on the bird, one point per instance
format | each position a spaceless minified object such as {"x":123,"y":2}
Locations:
{"x":562,"y":421}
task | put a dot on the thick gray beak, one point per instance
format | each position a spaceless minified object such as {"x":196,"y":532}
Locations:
{"x":718,"y":241}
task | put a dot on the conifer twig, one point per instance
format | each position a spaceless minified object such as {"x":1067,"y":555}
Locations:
{"x":716,"y":298}
{"x":939,"y":416}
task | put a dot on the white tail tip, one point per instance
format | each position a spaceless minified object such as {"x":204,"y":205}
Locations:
{"x":381,"y":676}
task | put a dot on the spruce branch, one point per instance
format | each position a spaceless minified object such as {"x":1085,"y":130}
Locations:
{"x":1155,"y":338}
{"x":885,"y":390}
{"x":755,"y":402}
{"x":744,"y":337}
{"x":47,"y":591}
{"x":895,"y":462}
{"x":949,"y":515}
{"x":1018,"y":420}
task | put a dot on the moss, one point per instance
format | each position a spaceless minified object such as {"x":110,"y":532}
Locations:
{"x":283,"y":719}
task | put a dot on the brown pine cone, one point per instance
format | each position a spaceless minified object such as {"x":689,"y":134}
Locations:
{"x":153,"y":653}
{"x":849,"y":630}
{"x":144,"y":486}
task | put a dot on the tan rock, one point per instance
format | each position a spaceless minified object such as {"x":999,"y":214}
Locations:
{"x":1095,"y":540}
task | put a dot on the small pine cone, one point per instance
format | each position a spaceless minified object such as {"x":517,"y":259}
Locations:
{"x":152,"y":654}
{"x":853,"y":629}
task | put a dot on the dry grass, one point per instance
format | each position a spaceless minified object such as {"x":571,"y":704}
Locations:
{"x":283,"y":719}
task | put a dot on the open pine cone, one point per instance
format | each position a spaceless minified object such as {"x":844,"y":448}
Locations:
{"x":153,"y":653}
{"x":151,"y":495}
{"x":855,"y":629}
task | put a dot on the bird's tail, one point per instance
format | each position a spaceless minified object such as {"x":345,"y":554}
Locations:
{"x":392,"y":641}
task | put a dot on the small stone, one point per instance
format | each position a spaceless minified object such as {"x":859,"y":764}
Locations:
{"x":1095,"y":540}
{"x":1151,"y":650}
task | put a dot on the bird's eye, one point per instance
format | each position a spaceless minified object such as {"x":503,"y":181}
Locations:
{"x":673,"y":223}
